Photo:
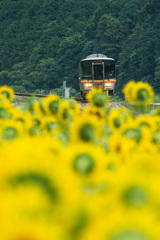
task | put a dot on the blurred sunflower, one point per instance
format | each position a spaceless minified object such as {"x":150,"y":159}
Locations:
{"x":6,"y":109}
{"x":37,"y":107}
{"x":147,"y":121}
{"x":84,"y":128}
{"x":94,"y":111}
{"x":64,"y":113}
{"x":10,"y":130}
{"x":156,"y":118}
{"x":127,"y":90}
{"x":37,"y":125}
{"x":51,"y":123}
{"x":139,"y":94}
{"x":25,"y":119}
{"x":7,"y":92}
{"x":97,"y":97}
{"x":118,"y":118}
{"x":135,"y":225}
{"x":36,"y":169}
{"x":51,"y":104}
{"x":114,"y":226}
{"x":85,"y":167}
{"x":121,"y":145}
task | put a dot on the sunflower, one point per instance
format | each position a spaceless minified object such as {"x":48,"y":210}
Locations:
{"x":51,"y":123}
{"x":64,"y":113}
{"x":142,"y":94}
{"x":139,"y":94}
{"x":24,"y":119}
{"x":7,"y":92}
{"x":134,"y":197}
{"x":37,"y":107}
{"x":29,"y":191}
{"x":6,"y":109}
{"x":85,"y":128}
{"x":84,"y":165}
{"x":156,"y":118}
{"x":121,"y":145}
{"x":127,"y":90}
{"x":36,"y":170}
{"x":118,"y":118}
{"x":11,"y":130}
{"x":97,"y":97}
{"x":94,"y":111}
{"x":27,"y":214}
{"x":147,"y":121}
{"x":37,"y":124}
{"x":136,"y":226}
{"x":51,"y":104}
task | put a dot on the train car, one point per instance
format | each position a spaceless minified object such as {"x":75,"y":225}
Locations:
{"x":97,"y":70}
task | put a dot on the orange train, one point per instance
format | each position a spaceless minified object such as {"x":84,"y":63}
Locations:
{"x":97,"y":70}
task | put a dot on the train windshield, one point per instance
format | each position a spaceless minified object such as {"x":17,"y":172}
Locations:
{"x":86,"y":69}
{"x":98,"y":71}
{"x":109,"y":69}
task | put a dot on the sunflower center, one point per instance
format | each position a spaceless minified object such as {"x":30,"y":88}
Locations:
{"x":36,"y":122}
{"x":99,"y":99}
{"x":54,"y":106}
{"x":10,"y":133}
{"x":136,"y":196}
{"x":87,"y":132}
{"x":83,"y":163}
{"x":6,"y":94}
{"x":117,"y":122}
{"x":142,"y":94}
{"x":133,"y":134}
{"x":65,"y":114}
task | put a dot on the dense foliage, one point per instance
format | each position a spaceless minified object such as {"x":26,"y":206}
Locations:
{"x":42,"y":41}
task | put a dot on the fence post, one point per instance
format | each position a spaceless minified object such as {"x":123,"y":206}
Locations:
{"x":66,"y":91}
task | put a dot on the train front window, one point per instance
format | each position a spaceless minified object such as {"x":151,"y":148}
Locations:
{"x":98,"y":72}
{"x":86,"y":70}
{"x":109,"y":69}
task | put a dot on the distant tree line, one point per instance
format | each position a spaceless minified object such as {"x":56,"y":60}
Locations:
{"x":42,"y":41}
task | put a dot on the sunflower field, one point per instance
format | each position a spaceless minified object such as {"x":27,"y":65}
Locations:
{"x":68,"y":174}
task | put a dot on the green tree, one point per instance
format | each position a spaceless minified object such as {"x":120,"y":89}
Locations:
{"x":157,"y":76}
{"x":51,"y":37}
{"x":68,"y":58}
{"x":109,"y":36}
{"x":137,"y":60}
{"x":49,"y":74}
{"x":4,"y":78}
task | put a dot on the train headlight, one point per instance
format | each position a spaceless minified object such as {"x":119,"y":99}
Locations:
{"x":88,"y":84}
{"x":108,"y":84}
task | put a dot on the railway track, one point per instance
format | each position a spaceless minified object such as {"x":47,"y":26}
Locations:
{"x":30,"y":95}
{"x":43,"y":96}
{"x":81,"y":100}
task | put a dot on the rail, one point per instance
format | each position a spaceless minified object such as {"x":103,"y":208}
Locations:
{"x":43,"y":96}
{"x":30,"y":95}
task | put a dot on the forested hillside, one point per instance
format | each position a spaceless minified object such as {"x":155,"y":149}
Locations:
{"x":42,"y":41}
